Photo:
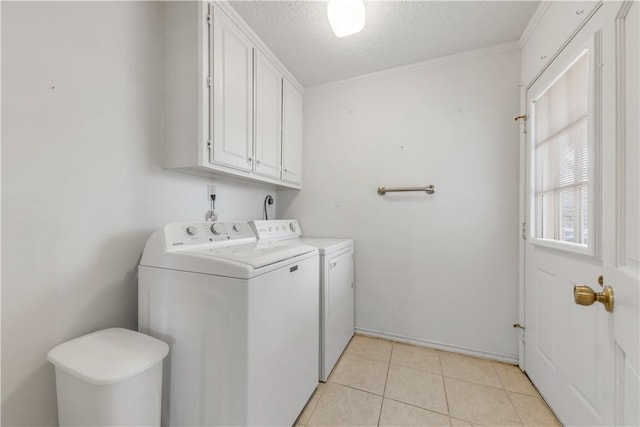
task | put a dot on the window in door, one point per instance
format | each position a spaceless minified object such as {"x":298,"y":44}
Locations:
{"x":561,"y":157}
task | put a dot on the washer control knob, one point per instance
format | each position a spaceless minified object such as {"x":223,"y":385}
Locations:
{"x":216,"y":228}
{"x":191,"y":230}
{"x":292,"y":226}
{"x":236,"y":228}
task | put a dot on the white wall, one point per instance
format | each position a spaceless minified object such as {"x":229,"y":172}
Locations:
{"x":82,"y":186}
{"x":442,"y":269}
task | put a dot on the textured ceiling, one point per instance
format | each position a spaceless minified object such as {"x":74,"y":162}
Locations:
{"x":396,"y":33}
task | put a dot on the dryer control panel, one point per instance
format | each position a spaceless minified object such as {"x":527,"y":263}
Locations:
{"x":212,"y":234}
{"x":280,"y":229}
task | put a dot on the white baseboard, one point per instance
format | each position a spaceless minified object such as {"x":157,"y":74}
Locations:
{"x":500,"y":357}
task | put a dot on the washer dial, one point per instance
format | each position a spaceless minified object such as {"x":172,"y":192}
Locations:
{"x":217,"y":228}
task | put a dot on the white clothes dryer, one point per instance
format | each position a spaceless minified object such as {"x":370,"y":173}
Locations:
{"x":241,"y":319}
{"x":336,"y":286}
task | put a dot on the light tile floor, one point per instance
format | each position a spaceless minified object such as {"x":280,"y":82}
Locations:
{"x":383,"y":383}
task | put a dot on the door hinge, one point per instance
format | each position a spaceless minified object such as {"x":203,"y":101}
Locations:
{"x":209,"y":14}
{"x":524,"y":231}
{"x":209,"y":144}
{"x":209,"y":81}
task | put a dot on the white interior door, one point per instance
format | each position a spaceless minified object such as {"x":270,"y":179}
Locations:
{"x":582,"y":210}
{"x":622,"y":267}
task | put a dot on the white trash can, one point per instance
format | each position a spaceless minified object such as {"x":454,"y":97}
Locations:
{"x":111,"y":377}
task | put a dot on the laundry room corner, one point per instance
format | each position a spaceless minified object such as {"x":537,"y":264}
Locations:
{"x":319,"y":213}
{"x":441,"y":269}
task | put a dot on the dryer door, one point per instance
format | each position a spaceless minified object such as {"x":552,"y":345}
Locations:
{"x":338,"y":309}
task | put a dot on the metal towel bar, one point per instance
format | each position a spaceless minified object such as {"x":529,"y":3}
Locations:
{"x":430,"y":189}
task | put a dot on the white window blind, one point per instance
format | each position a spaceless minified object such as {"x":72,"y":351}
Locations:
{"x":561,"y":153}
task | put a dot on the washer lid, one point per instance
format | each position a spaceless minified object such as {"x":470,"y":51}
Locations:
{"x":259,"y":254}
{"x":108,"y":356}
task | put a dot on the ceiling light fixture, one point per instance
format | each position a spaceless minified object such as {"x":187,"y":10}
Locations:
{"x":346,"y":16}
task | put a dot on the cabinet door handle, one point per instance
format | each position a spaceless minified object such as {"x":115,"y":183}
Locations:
{"x":249,"y":159}
{"x":332,"y":264}
{"x":258,"y":162}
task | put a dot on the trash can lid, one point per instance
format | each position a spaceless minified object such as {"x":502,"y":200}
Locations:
{"x":108,"y":356}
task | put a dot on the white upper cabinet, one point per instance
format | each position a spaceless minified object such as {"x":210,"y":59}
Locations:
{"x":232,"y":65}
{"x":223,"y":99}
{"x":291,"y":134}
{"x":268,"y":110}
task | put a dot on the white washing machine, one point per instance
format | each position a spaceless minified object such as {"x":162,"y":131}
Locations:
{"x":336,"y":286}
{"x":241,"y":319}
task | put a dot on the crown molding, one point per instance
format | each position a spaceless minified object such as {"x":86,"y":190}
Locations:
{"x":534,"y":21}
{"x":419,"y":66}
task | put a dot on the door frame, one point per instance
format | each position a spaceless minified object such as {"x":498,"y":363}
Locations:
{"x":523,"y":203}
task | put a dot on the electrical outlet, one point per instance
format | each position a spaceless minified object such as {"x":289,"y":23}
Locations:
{"x":211,"y":191}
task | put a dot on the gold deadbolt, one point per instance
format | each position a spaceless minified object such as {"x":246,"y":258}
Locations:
{"x":584,"y":295}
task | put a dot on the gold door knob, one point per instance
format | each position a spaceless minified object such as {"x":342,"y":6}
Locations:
{"x":584,"y":295}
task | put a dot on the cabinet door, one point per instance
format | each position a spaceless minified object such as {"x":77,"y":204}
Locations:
{"x":268,"y":111}
{"x":232,"y":94}
{"x":291,"y":134}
